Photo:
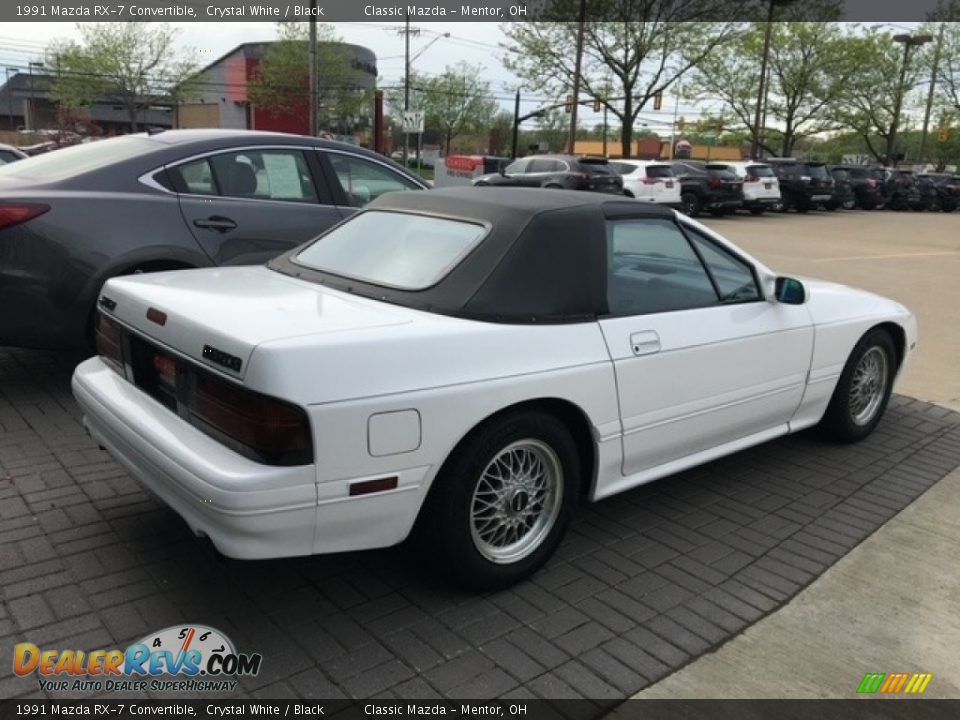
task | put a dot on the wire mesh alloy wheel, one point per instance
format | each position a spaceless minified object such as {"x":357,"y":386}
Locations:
{"x":868,"y":386}
{"x":516,"y":501}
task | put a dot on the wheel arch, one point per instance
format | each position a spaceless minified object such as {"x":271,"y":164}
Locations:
{"x":570,"y":414}
{"x":899,"y":336}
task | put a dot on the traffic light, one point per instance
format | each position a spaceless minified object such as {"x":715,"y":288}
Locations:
{"x":943,"y":134}
{"x":658,"y":101}
{"x":569,"y":106}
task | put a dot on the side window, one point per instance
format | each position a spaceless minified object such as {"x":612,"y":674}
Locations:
{"x":517,"y":167}
{"x":363,"y":181}
{"x":255,"y":174}
{"x":542,"y":165}
{"x":734,"y":277}
{"x":264,"y":175}
{"x":195,"y":178}
{"x":652,"y":268}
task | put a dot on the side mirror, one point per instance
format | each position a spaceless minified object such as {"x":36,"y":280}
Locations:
{"x":789,"y":291}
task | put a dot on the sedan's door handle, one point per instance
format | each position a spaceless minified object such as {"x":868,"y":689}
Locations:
{"x":215,"y":222}
{"x":645,"y":343}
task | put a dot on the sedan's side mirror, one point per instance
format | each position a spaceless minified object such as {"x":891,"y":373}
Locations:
{"x":790,"y":291}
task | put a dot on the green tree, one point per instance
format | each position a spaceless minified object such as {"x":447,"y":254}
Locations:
{"x":134,"y":63}
{"x":282,"y":79}
{"x":633,"y":50}
{"x":810,"y":66}
{"x":872,"y":93}
{"x":455,"y":102}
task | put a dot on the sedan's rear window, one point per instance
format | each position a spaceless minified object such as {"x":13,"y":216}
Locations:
{"x":393,"y":249}
{"x":72,"y":161}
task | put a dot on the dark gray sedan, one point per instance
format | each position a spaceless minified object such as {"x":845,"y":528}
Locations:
{"x":73,"y":218}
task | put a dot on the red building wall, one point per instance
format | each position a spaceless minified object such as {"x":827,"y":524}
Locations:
{"x":296,"y":120}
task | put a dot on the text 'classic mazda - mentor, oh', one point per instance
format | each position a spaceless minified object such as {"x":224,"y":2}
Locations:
{"x":465,"y":365}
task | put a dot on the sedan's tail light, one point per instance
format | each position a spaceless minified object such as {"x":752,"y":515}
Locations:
{"x":275,"y":431}
{"x":109,"y":339}
{"x":16,"y":213}
{"x":650,"y":181}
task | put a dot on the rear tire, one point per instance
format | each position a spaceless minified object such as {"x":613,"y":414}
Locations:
{"x":863,"y":390}
{"x":690,"y":205}
{"x":502,"y":502}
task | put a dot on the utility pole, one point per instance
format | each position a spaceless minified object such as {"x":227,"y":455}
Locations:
{"x":571,"y":141}
{"x":314,"y":124}
{"x":933,"y":83}
{"x":516,"y":124}
{"x":908,"y":41}
{"x":407,"y":32}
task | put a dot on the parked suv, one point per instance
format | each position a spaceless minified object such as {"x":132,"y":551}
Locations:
{"x":803,"y":184}
{"x":900,"y":190}
{"x":843,"y":195}
{"x":557,"y":171}
{"x":707,"y":187}
{"x":866,"y":183}
{"x":649,"y":180}
{"x":947,"y":188}
{"x":761,"y":188}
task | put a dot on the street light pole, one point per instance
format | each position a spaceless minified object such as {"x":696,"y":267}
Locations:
{"x":933,"y":83}
{"x":908,"y":41}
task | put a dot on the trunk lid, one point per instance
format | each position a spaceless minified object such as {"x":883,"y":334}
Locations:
{"x":218,"y":316}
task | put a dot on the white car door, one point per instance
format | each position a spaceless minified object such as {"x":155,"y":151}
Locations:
{"x":702,"y":359}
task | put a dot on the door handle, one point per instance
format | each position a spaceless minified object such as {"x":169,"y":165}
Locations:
{"x":645,"y":343}
{"x":215,"y":222}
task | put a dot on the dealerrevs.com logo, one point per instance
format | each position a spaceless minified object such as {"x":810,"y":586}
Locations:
{"x":179,"y":658}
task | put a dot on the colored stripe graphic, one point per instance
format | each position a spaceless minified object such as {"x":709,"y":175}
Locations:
{"x":893,"y":683}
{"x":871,"y":682}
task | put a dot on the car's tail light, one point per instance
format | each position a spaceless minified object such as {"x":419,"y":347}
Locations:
{"x":16,"y":213}
{"x":650,"y":181}
{"x":714,"y":182}
{"x":751,"y":178}
{"x":255,"y":425}
{"x":871,"y":182}
{"x":109,"y":340}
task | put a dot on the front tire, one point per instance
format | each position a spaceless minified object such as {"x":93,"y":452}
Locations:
{"x":501,"y":504}
{"x":863,"y":389}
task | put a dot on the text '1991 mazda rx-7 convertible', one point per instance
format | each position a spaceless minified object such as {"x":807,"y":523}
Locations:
{"x":466,"y":365}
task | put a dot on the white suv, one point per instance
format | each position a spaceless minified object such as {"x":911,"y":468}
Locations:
{"x":649,"y":180}
{"x":761,"y":188}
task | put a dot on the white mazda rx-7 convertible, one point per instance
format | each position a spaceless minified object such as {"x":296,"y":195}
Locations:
{"x":466,"y":365}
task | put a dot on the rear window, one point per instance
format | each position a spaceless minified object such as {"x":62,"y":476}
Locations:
{"x":817,"y":171}
{"x":393,"y":249}
{"x":622,"y":168}
{"x":591,"y":168}
{"x":721,"y":173}
{"x":78,"y":159}
{"x":659,"y":171}
{"x":840,"y":174}
{"x":760,"y":171}
{"x":8,"y":156}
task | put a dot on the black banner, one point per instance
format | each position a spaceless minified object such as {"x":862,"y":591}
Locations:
{"x":497,"y":11}
{"x":863,"y":709}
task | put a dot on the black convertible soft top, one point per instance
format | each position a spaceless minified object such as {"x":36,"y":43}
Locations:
{"x":543,"y":260}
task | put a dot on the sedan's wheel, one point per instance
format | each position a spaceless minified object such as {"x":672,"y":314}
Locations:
{"x":863,"y":390}
{"x":690,"y":204}
{"x":502,"y":501}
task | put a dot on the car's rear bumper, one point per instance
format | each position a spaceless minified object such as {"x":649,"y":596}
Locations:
{"x":247,"y":509}
{"x":761,"y":202}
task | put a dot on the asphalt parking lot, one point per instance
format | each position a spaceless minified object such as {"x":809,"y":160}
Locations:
{"x":645,"y":582}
